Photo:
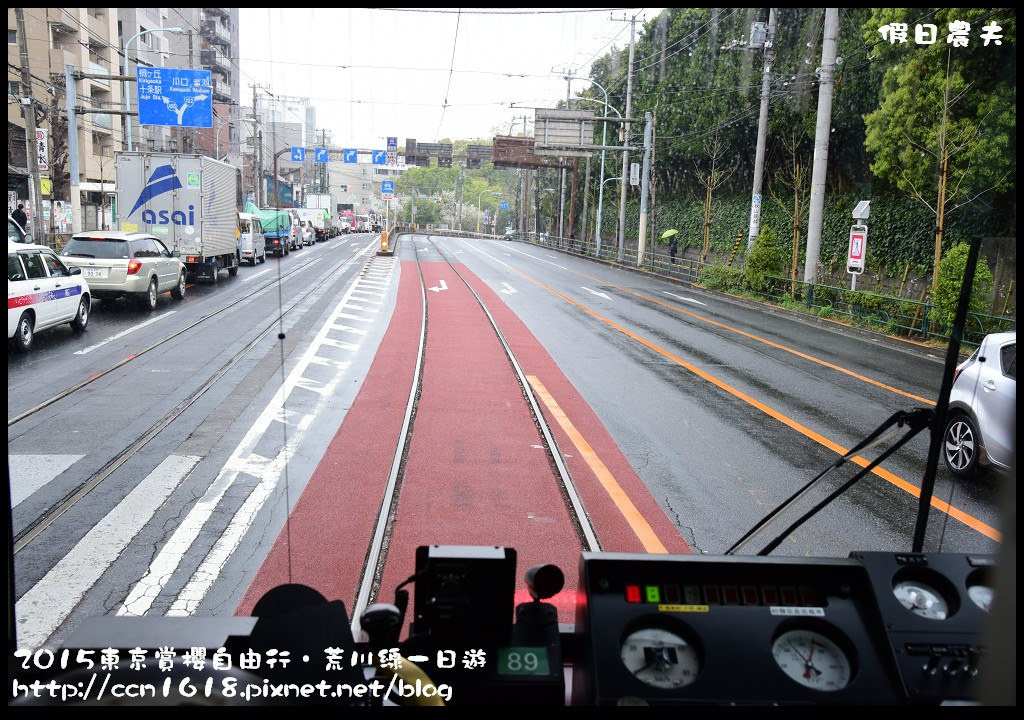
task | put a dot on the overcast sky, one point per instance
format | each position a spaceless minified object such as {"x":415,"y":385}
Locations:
{"x":426,"y":74}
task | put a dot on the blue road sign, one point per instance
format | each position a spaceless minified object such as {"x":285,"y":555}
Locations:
{"x":380,"y":157}
{"x":392,"y":144}
{"x":387,"y":188}
{"x":298,"y":154}
{"x":320,"y":154}
{"x":178,"y":98}
{"x":503,"y":205}
{"x":350,"y":155}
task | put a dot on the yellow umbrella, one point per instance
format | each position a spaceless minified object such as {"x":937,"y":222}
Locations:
{"x":669,"y":233}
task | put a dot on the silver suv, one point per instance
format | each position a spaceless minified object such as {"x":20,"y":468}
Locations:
{"x":982,"y":420}
{"x":120,"y":264}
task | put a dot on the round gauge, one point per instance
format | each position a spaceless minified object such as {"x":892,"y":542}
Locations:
{"x":921,"y":599}
{"x":812,"y":660}
{"x":982,"y":595}
{"x":660,"y":658}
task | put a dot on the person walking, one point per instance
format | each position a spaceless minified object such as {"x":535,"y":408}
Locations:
{"x":673,"y":246}
{"x":20,"y":217}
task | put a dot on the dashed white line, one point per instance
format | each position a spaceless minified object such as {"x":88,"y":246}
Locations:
{"x":121,"y":334}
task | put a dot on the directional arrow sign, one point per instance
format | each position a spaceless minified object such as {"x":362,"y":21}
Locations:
{"x":680,"y":297}
{"x":380,"y":157}
{"x":595,"y":292}
{"x":350,"y":155}
{"x":439,"y":289}
{"x":509,"y":290}
{"x":298,"y":154}
{"x":320,"y":154}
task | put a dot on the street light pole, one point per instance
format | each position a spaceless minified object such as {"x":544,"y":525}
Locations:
{"x":124,"y":83}
{"x":220,"y":124}
{"x":478,"y":199}
{"x":604,"y":138}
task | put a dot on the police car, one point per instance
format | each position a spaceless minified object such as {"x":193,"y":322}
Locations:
{"x":42,"y":292}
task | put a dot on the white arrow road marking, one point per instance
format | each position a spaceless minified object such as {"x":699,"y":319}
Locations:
{"x":509,"y":290}
{"x":595,"y":292}
{"x":686,"y":299}
{"x":439,"y":289}
{"x":48,"y":603}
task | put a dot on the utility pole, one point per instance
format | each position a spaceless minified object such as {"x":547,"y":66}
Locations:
{"x":28,"y":107}
{"x":625,"y":139}
{"x":71,"y":98}
{"x":561,"y":177}
{"x":762,"y":132}
{"x":644,"y":187}
{"x":822,"y":133}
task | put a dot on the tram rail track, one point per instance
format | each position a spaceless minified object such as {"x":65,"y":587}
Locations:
{"x":376,"y":556}
{"x":27,"y":534}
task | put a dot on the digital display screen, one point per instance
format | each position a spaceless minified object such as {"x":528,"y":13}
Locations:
{"x":699,"y":594}
{"x":532,"y":661}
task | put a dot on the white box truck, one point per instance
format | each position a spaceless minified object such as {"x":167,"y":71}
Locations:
{"x":324,"y":222}
{"x":188,"y":201}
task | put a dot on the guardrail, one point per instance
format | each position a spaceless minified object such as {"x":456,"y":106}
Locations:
{"x":891,"y":315}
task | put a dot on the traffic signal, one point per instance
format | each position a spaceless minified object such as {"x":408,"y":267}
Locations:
{"x":344,"y":188}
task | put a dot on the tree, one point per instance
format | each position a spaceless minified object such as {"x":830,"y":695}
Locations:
{"x":710,"y":179}
{"x":945,"y":126}
{"x":946,"y":294}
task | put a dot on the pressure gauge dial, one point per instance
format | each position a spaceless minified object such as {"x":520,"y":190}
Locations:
{"x":812,"y":660}
{"x":660,"y":658}
{"x":982,"y":595}
{"x":921,"y":599}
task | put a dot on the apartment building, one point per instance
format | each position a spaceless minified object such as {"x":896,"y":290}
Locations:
{"x":98,"y":42}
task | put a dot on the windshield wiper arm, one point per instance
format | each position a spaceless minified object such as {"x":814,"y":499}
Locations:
{"x":917,"y":420}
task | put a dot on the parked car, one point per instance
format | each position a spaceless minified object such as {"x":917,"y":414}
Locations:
{"x":42,"y":292}
{"x":119,"y":264}
{"x":509,"y":234}
{"x":982,"y":416}
{"x":252,"y":245}
{"x":308,"y":234}
{"x":295,"y":236}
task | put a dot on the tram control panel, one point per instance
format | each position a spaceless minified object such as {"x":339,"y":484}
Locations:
{"x":875,"y":628}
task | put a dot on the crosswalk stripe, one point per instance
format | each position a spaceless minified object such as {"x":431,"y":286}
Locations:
{"x":46,"y":605}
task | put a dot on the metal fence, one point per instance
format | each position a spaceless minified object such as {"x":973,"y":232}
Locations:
{"x":892,"y":315}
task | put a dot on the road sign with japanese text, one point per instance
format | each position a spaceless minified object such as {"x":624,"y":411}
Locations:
{"x":174,"y":97}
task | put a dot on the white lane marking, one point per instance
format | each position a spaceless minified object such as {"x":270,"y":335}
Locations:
{"x":31,"y":472}
{"x":120,"y":335}
{"x":595,"y":292}
{"x":145,"y":592}
{"x":509,"y":290}
{"x":247,"y":278}
{"x":534,"y":257}
{"x":473,"y":247}
{"x":444,"y":286}
{"x":680,"y":297}
{"x":49,"y":602}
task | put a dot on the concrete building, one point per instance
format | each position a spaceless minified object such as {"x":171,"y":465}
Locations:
{"x":92,"y":41}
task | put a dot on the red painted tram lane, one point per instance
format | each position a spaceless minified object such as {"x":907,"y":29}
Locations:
{"x":333,"y":520}
{"x":477,"y":472}
{"x":616,"y":529}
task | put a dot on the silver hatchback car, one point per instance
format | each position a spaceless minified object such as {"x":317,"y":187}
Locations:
{"x":982,"y":421}
{"x":120,"y":264}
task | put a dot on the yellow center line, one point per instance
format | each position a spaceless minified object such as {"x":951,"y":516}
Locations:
{"x":641,"y":528}
{"x":819,"y":361}
{"x":968,"y":520}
